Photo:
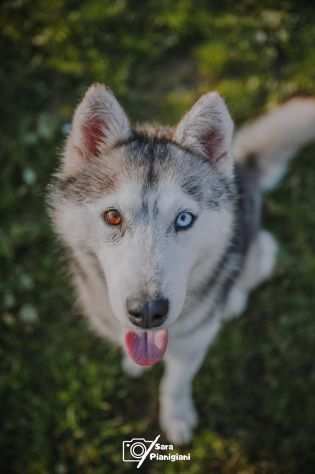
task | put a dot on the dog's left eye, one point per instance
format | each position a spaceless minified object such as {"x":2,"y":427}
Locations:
{"x":184,"y":220}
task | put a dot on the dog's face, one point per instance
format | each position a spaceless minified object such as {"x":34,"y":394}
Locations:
{"x":153,"y":207}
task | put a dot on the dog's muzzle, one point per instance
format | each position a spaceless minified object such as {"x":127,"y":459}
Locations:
{"x":146,"y":343}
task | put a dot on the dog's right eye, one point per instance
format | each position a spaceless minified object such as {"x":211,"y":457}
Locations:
{"x":112,"y":217}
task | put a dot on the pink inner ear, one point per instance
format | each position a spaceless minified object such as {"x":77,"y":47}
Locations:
{"x":94,"y":134}
{"x":211,"y":142}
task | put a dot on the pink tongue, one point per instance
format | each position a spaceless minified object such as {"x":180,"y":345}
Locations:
{"x":146,"y":347}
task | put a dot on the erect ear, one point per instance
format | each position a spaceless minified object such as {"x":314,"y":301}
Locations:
{"x":98,"y":123}
{"x":207,"y":129}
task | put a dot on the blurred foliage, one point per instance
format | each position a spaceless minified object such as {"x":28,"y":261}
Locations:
{"x":65,"y":404}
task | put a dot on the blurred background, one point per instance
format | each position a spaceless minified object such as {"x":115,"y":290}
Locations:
{"x":65,"y":405}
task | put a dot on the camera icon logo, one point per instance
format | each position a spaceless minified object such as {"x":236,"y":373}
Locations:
{"x":134,"y":449}
{"x":137,"y":449}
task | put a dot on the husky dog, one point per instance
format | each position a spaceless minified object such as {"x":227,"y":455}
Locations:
{"x":164,"y":232}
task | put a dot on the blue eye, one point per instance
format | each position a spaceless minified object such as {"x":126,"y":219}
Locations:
{"x":184,"y":220}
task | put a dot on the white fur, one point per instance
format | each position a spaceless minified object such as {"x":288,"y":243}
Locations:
{"x":150,"y":259}
{"x":276,"y":137}
{"x":178,"y":416}
{"x":258,"y":267}
{"x":134,"y":264}
{"x":131,"y":368}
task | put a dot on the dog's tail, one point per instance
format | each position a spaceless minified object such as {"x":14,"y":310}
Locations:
{"x":270,"y":141}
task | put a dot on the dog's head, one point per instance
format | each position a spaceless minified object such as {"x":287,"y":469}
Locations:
{"x":155,"y":206}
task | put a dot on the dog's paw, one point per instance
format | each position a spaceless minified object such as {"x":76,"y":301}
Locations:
{"x":131,"y":368}
{"x":178,"y":422}
{"x":179,"y":431}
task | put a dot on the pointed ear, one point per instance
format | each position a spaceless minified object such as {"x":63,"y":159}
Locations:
{"x":207,"y":129}
{"x":98,"y":123}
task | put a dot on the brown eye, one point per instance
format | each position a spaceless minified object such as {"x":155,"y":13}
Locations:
{"x":112,"y":217}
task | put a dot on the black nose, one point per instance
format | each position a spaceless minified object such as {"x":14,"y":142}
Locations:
{"x":149,"y":314}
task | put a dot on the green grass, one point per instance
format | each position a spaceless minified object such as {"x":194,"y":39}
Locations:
{"x":66,"y":406}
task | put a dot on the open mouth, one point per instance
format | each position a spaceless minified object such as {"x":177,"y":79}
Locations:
{"x":146,"y":347}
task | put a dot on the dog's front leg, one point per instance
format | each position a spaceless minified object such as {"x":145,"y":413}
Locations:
{"x":184,"y":357}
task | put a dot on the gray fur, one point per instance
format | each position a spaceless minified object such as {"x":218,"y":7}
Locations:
{"x":150,"y":175}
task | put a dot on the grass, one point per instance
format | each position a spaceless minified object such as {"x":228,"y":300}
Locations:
{"x":66,"y":405}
